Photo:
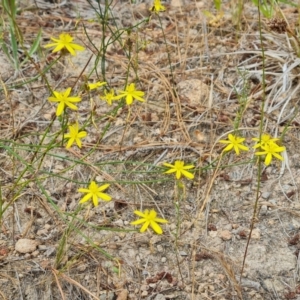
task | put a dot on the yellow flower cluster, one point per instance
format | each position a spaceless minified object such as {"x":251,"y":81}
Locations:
{"x":266,"y":144}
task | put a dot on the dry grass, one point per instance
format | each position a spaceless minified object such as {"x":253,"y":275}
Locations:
{"x":201,"y":82}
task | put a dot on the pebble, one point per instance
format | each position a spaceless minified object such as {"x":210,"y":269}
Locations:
{"x":35,"y":253}
{"x":160,"y":248}
{"x":47,"y":226}
{"x":213,"y":233}
{"x":163,"y":259}
{"x":26,"y":245}
{"x":42,"y":247}
{"x":160,"y":297}
{"x":42,"y":232}
{"x":144,"y":294}
{"x":82,"y":267}
{"x":227,"y":227}
{"x":107,"y":296}
{"x":266,"y":195}
{"x":119,"y":223}
{"x":50,"y":251}
{"x":123,"y":295}
{"x":225,"y":235}
{"x":182,"y":253}
{"x":255,"y":234}
{"x":155,"y":239}
{"x":264,"y":210}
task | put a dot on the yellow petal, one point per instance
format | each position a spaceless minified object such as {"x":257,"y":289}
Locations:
{"x":156,"y":227}
{"x":105,"y":197}
{"x":187,"y":174}
{"x":140,"y":214}
{"x":103,"y":187}
{"x":138,"y":222}
{"x":145,"y":226}
{"x":85,"y":198}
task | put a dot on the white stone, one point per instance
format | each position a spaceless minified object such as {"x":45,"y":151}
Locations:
{"x":26,"y":245}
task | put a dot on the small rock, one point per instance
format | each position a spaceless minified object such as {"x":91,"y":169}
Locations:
{"x":144,"y":287}
{"x":155,"y":239}
{"x":144,"y":294}
{"x":182,"y":253}
{"x":35,"y":253}
{"x":255,"y":234}
{"x":119,"y":223}
{"x":160,"y":248}
{"x":82,"y":267}
{"x":194,"y":91}
{"x":213,"y":233}
{"x":160,"y":297}
{"x":265,"y":195}
{"x":42,"y":247}
{"x":42,"y":232}
{"x":173,"y":226}
{"x":48,"y":116}
{"x":264,"y":210}
{"x":163,"y":259}
{"x":227,"y":227}
{"x":235,"y":226}
{"x":47,"y":226}
{"x":50,"y":251}
{"x":107,"y":296}
{"x":225,"y":235}
{"x":26,"y":245}
{"x":123,"y":295}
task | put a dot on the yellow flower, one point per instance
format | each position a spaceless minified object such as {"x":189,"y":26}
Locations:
{"x":64,"y":42}
{"x":234,"y":142}
{"x":95,"y":192}
{"x":265,"y":139}
{"x":180,"y":169}
{"x":75,"y":135}
{"x":64,"y":100}
{"x":130,"y":93}
{"x":149,"y":218}
{"x":157,"y":6}
{"x":109,"y":96}
{"x":269,"y":150}
{"x":95,"y":85}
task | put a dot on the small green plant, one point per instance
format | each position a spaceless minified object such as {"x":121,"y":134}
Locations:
{"x":266,"y":7}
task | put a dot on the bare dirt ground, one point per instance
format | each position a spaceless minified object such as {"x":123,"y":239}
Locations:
{"x":212,"y":67}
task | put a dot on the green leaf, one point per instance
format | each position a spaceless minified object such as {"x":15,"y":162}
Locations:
{"x":14,"y":46}
{"x":34,"y":46}
{"x":6,"y":51}
{"x":217,"y":4}
{"x":10,"y":7}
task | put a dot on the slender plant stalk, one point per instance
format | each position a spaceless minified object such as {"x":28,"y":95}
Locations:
{"x":260,"y":163}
